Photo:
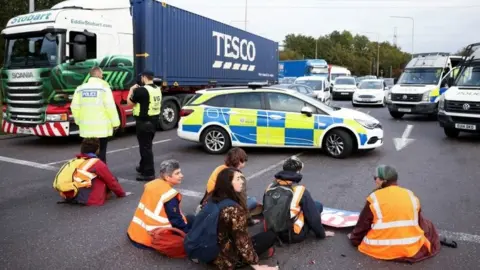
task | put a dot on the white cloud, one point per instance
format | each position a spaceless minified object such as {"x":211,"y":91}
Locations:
{"x":439,"y":25}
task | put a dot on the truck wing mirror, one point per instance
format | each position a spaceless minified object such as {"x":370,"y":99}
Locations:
{"x":79,"y":48}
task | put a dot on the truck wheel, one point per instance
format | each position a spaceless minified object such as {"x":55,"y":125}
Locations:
{"x":451,"y":132}
{"x":169,"y":115}
{"x":338,"y":144}
{"x":396,"y":115}
{"x":215,"y":140}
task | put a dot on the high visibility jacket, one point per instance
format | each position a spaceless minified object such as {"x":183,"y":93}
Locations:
{"x":395,"y":231}
{"x":154,"y":104}
{"x":150,"y":213}
{"x":94,"y":110}
{"x":75,"y":175}
{"x":295,"y":209}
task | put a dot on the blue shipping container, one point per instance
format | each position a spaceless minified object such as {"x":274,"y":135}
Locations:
{"x":192,"y":50}
{"x":299,"y":68}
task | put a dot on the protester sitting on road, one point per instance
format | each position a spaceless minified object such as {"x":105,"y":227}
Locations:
{"x":288,"y":208}
{"x":391,"y":225}
{"x":86,"y":179}
{"x":235,"y":158}
{"x":159,"y":206}
{"x":237,"y":248}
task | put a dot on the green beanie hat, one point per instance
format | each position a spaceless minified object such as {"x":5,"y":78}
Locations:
{"x":387,"y":173}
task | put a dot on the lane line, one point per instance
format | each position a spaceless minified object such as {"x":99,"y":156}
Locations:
{"x":257,"y":174}
{"x":456,"y":236}
{"x":112,"y":151}
{"x":28,"y":163}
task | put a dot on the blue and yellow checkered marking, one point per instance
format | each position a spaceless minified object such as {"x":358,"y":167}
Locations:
{"x":257,"y":127}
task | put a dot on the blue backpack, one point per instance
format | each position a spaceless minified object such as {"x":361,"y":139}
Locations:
{"x":201,"y":241}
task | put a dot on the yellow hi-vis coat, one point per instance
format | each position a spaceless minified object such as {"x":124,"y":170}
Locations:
{"x":94,"y":110}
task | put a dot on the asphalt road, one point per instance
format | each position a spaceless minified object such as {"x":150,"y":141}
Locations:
{"x":37,"y":233}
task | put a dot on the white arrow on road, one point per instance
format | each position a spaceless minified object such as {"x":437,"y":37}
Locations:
{"x":402,"y":142}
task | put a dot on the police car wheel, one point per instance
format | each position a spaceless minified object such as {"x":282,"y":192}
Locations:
{"x":215,"y":140}
{"x":338,"y":144}
{"x":451,"y":132}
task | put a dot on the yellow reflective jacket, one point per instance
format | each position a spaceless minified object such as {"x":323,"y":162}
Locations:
{"x":94,"y":110}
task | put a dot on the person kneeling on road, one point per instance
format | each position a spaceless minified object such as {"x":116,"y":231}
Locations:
{"x":86,"y":179}
{"x":391,"y":225}
{"x":288,"y":208}
{"x":160,"y":207}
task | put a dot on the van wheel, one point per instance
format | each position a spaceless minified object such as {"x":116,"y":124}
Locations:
{"x":215,"y":140}
{"x":396,"y":115}
{"x":338,"y":144}
{"x":451,"y":132}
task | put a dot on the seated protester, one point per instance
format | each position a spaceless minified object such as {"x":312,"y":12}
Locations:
{"x":235,"y":158}
{"x":86,"y":179}
{"x":237,"y":248}
{"x":391,"y":225}
{"x":296,"y":218}
{"x":159,"y":207}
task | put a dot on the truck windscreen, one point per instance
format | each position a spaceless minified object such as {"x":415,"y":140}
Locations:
{"x":31,"y":52}
{"x":470,"y":76}
{"x":420,"y":76}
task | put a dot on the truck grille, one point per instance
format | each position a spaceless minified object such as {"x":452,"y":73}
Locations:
{"x":25,"y":103}
{"x":407,"y":97}
{"x":462,"y":106}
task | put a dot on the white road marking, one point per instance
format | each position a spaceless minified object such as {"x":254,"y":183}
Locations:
{"x":255,"y":175}
{"x":112,"y":151}
{"x":28,"y":163}
{"x":458,"y":236}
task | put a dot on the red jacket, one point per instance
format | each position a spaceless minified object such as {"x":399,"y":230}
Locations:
{"x":101,"y":185}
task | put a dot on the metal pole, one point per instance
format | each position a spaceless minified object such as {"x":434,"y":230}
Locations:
{"x":246,"y":2}
{"x":31,"y":6}
{"x":378,"y":53}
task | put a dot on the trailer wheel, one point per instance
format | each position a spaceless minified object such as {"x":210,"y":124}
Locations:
{"x":169,"y":115}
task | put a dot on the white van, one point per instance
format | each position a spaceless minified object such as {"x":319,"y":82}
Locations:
{"x":319,"y":85}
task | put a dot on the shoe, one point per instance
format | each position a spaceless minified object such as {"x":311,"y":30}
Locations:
{"x":267,"y":255}
{"x":138,"y":169}
{"x":141,"y":177}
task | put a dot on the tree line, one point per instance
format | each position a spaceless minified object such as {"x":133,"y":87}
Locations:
{"x":357,"y":53}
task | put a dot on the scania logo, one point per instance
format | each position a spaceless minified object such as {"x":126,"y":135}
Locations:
{"x":466,"y":106}
{"x":404,"y":96}
{"x":22,"y":75}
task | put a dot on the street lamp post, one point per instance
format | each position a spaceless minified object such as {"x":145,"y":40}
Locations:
{"x":378,"y":50}
{"x":246,"y":2}
{"x":413,"y":30}
{"x":31,"y":6}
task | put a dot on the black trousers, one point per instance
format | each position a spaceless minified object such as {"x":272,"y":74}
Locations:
{"x":102,"y":155}
{"x":145,"y":133}
{"x":261,"y":243}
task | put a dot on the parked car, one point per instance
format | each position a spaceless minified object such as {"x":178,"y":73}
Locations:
{"x":319,"y":85}
{"x":370,"y":92}
{"x":303,"y":89}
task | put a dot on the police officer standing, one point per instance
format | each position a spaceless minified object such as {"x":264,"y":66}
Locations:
{"x":147,"y":100}
{"x":94,"y":110}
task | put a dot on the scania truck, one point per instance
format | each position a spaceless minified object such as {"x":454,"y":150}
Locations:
{"x":459,"y":107}
{"x":421,"y":84}
{"x":50,"y":52}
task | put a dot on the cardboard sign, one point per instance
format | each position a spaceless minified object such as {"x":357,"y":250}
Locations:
{"x":339,"y":218}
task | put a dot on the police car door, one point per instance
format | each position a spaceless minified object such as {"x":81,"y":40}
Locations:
{"x":287,"y":126}
{"x":247,"y":118}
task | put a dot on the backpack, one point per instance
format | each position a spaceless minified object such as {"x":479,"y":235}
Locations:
{"x":74,"y":175}
{"x":201,"y":242}
{"x":276,"y":208}
{"x":169,"y":242}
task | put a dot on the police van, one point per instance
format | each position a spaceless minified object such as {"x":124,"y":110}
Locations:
{"x":459,"y":107}
{"x":423,"y":81}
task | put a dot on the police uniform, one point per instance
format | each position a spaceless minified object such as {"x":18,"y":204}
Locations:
{"x":95,"y":113}
{"x":148,"y":100}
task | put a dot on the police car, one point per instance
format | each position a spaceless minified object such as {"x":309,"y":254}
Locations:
{"x":259,"y":116}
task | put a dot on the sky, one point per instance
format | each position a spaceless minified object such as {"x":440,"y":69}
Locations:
{"x":439,"y":25}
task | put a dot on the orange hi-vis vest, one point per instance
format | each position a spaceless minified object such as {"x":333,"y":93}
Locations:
{"x":150,"y":213}
{"x":295,"y":209}
{"x":395,"y":231}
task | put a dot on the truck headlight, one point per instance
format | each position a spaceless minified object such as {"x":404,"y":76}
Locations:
{"x":426,"y":96}
{"x":441,"y":103}
{"x":366,"y":123}
{"x":57,"y":117}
